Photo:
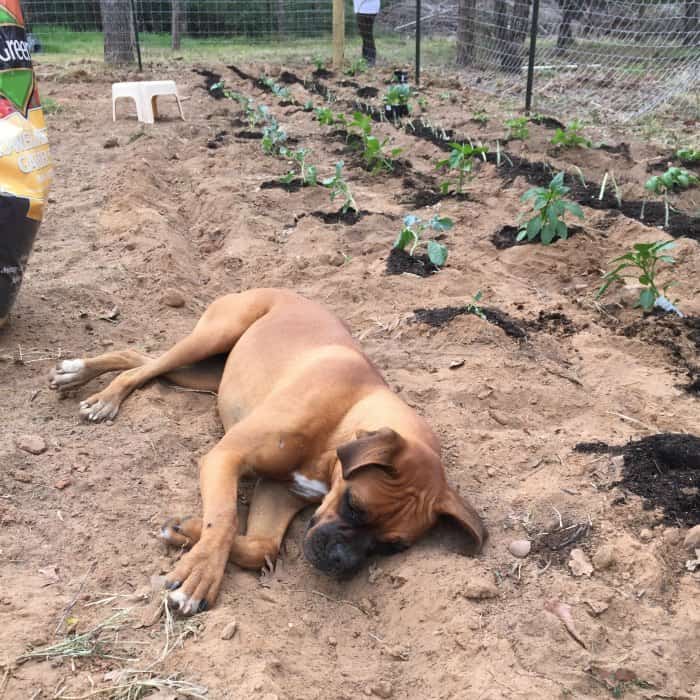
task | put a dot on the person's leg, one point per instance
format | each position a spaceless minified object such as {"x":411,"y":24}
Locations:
{"x":365,"y":25}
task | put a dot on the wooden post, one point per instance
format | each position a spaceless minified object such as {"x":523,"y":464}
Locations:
{"x":338,"y":34}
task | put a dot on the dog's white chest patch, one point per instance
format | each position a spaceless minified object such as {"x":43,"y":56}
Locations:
{"x":312,"y":489}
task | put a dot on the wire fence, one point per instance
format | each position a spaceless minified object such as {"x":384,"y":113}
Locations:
{"x":602,"y":59}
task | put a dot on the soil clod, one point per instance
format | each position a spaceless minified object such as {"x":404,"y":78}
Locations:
{"x":664,"y":469}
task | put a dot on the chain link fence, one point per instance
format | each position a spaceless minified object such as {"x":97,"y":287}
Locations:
{"x":600,"y":59}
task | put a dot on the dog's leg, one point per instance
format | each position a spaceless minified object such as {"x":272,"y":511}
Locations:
{"x":216,"y":332}
{"x":69,"y":374}
{"x":252,"y":442}
{"x":272,"y":510}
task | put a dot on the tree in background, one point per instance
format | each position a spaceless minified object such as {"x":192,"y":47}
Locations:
{"x":511,"y":30}
{"x":118,"y":30}
{"x":466,"y":32}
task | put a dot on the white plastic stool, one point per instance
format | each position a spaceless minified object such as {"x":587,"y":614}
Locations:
{"x":144,"y":94}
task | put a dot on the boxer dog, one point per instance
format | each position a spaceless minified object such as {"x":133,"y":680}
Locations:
{"x":304,"y":409}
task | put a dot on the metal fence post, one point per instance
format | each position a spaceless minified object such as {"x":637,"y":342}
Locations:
{"x":531,"y":58}
{"x":418,"y":3}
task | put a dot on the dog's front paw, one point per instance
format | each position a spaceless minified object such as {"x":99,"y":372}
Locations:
{"x":194,"y":583}
{"x":99,"y":407}
{"x":181,"y":532}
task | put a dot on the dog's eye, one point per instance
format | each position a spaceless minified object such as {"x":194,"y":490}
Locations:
{"x":352,"y":511}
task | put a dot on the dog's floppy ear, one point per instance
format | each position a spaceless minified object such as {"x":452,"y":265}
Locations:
{"x":452,"y":506}
{"x":375,"y":448}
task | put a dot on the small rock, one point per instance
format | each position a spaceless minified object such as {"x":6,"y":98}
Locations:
{"x":596,"y":607}
{"x":480,"y":588}
{"x":112,"y":142}
{"x":34,"y":444}
{"x":332,"y":641}
{"x":375,"y":573}
{"x":520,"y":548}
{"x":171,"y":297}
{"x":62,"y":483}
{"x":692,"y":539}
{"x":672,"y":535}
{"x":230,"y":630}
{"x":500,"y":417}
{"x":398,"y":652}
{"x":21,"y":475}
{"x":456,"y":364}
{"x":646,"y":535}
{"x":579,"y":563}
{"x":383,"y":689}
{"x":604,"y":557}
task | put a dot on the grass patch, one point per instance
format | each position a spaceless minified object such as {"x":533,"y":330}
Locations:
{"x":63,"y":43}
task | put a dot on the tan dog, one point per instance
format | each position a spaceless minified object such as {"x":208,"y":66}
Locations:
{"x":304,"y":408}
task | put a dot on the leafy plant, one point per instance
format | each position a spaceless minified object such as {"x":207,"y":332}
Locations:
{"x":397,"y":95}
{"x":473,"y":307}
{"x":570,"y":136}
{"x":373,"y":152}
{"x":644,"y":257}
{"x":275,"y":88}
{"x":326,"y":117}
{"x":357,"y":67}
{"x":319,"y":62}
{"x":255,"y":115}
{"x":308,"y":174}
{"x":308,"y":106}
{"x":422,"y":103}
{"x":688,"y":155}
{"x":412,"y":231}
{"x":480,"y":117}
{"x":461,"y":159}
{"x":673,"y":178}
{"x":273,"y":138}
{"x":550,"y":207}
{"x":340,"y":188}
{"x":517,"y":128}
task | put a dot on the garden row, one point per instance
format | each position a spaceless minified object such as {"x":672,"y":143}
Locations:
{"x":549,"y":204}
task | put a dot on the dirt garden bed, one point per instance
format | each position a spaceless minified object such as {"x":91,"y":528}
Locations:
{"x":142,"y":236}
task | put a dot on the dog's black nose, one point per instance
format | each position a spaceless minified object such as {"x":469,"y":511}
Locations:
{"x":338,"y":557}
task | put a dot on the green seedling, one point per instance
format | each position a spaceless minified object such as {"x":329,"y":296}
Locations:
{"x":673,"y":179}
{"x":319,"y":62}
{"x":308,"y":106}
{"x":273,"y":138}
{"x":480,"y":117}
{"x":276,"y":89}
{"x":373,"y":152}
{"x":256,"y":115}
{"x":461,"y":159}
{"x":340,"y":188}
{"x":412,"y":231}
{"x":397,"y":95}
{"x":473,"y":307}
{"x":326,"y":117}
{"x":422,"y":103}
{"x":570,"y":136}
{"x":644,"y":259}
{"x":688,"y":155}
{"x":550,"y":207}
{"x":517,"y":128}
{"x":357,"y":67}
{"x":308,"y":174}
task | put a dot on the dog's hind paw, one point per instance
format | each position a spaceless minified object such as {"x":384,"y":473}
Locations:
{"x":68,"y":374}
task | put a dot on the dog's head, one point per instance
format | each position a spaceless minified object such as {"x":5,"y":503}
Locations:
{"x":386,"y":492}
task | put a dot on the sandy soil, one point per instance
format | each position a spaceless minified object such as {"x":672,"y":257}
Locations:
{"x":163,"y":211}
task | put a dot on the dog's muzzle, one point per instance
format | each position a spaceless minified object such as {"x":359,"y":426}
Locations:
{"x":337,"y":549}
